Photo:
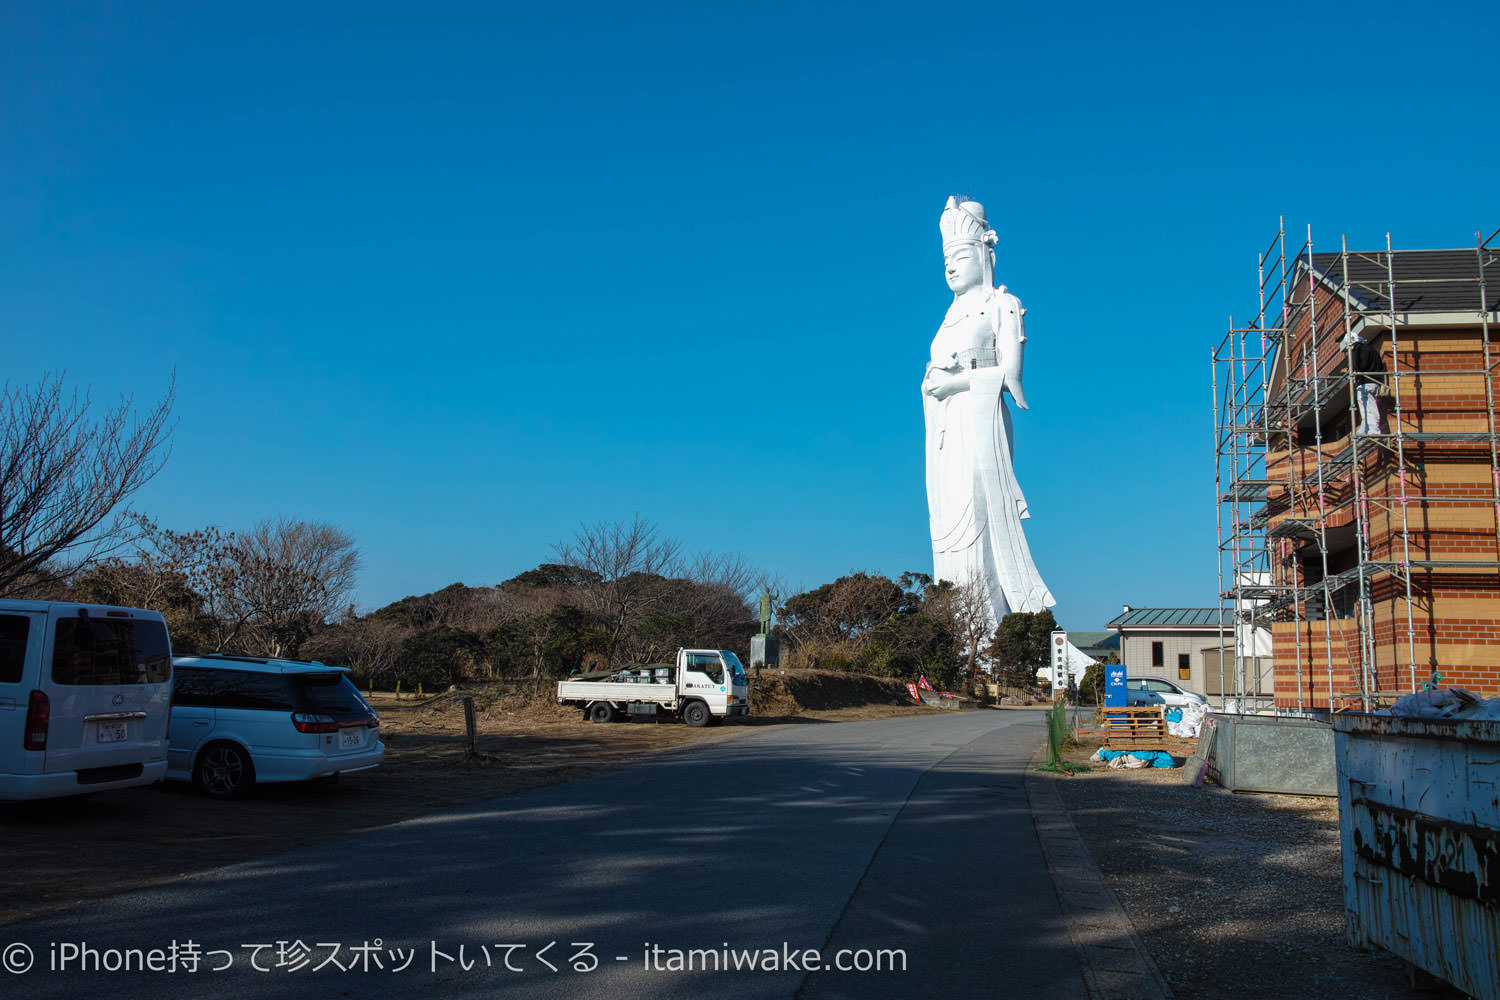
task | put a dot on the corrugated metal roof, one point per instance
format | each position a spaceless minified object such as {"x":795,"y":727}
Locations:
{"x":1171,"y":618}
{"x":1426,"y":281}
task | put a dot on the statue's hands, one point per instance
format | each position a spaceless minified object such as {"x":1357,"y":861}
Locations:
{"x":942,"y":387}
{"x":943,"y":380}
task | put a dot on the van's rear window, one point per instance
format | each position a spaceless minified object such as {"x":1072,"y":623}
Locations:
{"x":13,"y":632}
{"x":107,"y":651}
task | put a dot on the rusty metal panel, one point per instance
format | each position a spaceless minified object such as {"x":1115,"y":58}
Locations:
{"x":1419,"y":820}
{"x":1445,"y":854}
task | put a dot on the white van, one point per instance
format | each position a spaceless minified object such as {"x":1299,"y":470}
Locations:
{"x":85,"y":693}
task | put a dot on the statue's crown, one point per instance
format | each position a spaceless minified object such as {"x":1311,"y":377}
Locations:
{"x":964,"y":222}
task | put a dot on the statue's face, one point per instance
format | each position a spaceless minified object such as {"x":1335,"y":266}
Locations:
{"x":964,"y":266}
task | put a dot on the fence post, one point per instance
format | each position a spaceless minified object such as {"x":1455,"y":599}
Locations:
{"x":469,"y":733}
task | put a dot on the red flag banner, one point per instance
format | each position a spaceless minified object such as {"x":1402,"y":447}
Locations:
{"x":913,"y":689}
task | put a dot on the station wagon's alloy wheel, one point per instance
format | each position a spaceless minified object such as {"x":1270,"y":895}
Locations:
{"x":224,"y":771}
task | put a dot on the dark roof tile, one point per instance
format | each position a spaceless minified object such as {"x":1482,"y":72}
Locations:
{"x":1426,"y":281}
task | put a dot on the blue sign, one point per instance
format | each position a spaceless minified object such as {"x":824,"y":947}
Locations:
{"x":1114,"y":685}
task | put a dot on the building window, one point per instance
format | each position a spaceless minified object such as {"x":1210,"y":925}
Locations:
{"x":1158,"y":654}
{"x":1184,"y":667}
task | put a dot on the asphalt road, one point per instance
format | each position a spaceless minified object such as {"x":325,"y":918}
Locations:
{"x":905,"y":842}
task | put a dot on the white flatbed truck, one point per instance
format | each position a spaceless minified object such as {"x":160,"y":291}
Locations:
{"x":701,"y":686}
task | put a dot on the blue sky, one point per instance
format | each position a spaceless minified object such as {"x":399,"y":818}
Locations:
{"x":459,"y":278}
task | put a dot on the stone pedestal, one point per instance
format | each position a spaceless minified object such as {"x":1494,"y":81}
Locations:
{"x":765,"y":650}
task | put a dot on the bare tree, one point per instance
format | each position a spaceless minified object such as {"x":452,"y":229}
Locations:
{"x":967,"y":605}
{"x":63,"y":474}
{"x":209,"y":560}
{"x":722,"y":598}
{"x":290,"y":577}
{"x":480,"y":609}
{"x":731,"y":572}
{"x":848,"y":610}
{"x":184,"y":575}
{"x":473,"y":609}
{"x":628,"y":559}
{"x":369,"y":647}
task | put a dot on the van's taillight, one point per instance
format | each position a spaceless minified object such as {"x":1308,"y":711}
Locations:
{"x":38,"y":715}
{"x":314,"y":723}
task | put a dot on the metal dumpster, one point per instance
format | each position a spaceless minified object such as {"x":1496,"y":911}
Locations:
{"x":1419,"y":820}
{"x":1269,"y":753}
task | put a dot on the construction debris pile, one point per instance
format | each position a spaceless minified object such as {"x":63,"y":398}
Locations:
{"x":1444,"y":703}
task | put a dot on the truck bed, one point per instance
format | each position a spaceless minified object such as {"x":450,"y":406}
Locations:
{"x":615,"y":691}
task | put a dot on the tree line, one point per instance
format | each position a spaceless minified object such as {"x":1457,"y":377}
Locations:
{"x":617,"y":592}
{"x":912,"y":626}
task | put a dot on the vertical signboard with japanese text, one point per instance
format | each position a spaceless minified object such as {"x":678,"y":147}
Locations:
{"x":1059,"y":662}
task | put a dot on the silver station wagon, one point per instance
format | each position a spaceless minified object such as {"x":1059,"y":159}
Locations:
{"x":239,"y":720}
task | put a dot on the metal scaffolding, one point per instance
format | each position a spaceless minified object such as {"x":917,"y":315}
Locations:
{"x":1315,"y":525}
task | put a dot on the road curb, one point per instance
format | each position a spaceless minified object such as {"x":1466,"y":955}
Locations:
{"x":1114,"y":962}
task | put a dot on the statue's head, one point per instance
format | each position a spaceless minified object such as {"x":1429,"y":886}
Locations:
{"x":968,"y":246}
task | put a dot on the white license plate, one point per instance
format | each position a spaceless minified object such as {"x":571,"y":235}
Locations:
{"x":110,"y":732}
{"x":351,"y":737}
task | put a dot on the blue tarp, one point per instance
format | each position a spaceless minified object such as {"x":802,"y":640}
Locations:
{"x":1156,"y":758}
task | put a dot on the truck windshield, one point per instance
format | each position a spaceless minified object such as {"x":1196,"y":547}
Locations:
{"x":736,"y":669}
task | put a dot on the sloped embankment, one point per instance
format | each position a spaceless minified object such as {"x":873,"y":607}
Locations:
{"x":791,"y":692}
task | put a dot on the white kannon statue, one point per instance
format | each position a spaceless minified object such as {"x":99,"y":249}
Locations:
{"x":974,"y":502}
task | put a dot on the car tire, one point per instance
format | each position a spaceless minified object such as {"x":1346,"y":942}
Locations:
{"x":601,"y":712}
{"x":224,"y":771}
{"x":696,"y":714}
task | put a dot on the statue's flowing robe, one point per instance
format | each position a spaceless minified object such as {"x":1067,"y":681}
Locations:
{"x":974,"y":502}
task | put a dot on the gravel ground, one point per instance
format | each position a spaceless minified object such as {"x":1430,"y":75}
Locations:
{"x":1233,"y":895}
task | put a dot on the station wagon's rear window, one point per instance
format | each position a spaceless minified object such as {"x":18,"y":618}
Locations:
{"x":110,"y":651}
{"x":14,"y":630}
{"x":330,"y":693}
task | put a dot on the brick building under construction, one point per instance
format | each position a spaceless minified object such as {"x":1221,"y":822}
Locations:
{"x":1367,"y":542}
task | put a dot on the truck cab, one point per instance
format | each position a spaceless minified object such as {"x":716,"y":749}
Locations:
{"x":717,"y":677}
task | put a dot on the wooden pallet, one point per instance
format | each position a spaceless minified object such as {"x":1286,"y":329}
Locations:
{"x":1140,"y":727}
